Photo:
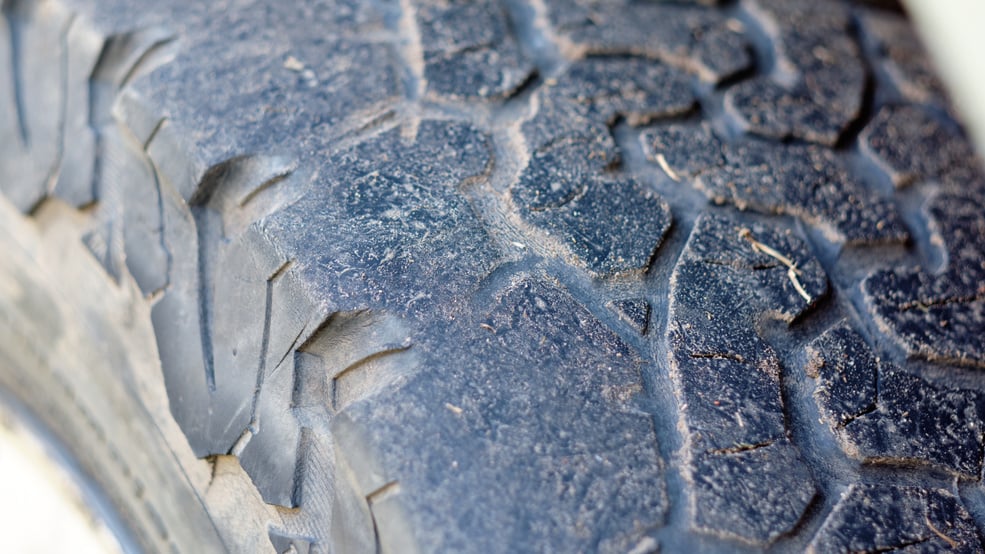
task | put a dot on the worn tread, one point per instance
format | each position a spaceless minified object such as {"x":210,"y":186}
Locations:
{"x":439,"y":277}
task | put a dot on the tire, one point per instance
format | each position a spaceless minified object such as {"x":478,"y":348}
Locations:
{"x":497,"y":276}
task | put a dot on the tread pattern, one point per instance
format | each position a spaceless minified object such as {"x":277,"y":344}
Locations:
{"x":938,"y":317}
{"x":563,"y":259}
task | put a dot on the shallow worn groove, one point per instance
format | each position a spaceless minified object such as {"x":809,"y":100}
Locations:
{"x":930,"y":252}
{"x":362,"y":128}
{"x":373,"y":498}
{"x":817,"y":445}
{"x":767,"y":59}
{"x":147,"y":58}
{"x":831,"y":469}
{"x":265,"y":341}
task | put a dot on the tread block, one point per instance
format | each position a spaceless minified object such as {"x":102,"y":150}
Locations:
{"x":880,"y":518}
{"x":537,"y":425}
{"x":386,"y":230}
{"x":915,"y":421}
{"x":604,"y":89}
{"x":613,"y":227}
{"x":941,"y":319}
{"x":469,"y":50}
{"x":911,"y":144}
{"x":558,"y":172}
{"x":819,"y":80}
{"x":682,"y":150}
{"x":729,"y":406}
{"x":755,"y":493}
{"x":905,"y":420}
{"x":746,"y":481}
{"x":702,"y":41}
{"x":808,"y":182}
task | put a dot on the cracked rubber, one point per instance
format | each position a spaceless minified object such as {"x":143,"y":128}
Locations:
{"x":531,"y":275}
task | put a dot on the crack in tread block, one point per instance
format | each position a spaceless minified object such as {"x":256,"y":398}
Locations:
{"x":880,"y":518}
{"x":884,"y":416}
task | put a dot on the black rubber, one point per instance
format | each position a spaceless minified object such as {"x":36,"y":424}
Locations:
{"x":535,"y":275}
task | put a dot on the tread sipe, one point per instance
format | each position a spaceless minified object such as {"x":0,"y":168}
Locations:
{"x":532,"y":275}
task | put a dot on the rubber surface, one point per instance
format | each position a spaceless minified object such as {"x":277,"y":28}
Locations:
{"x":535,"y":276}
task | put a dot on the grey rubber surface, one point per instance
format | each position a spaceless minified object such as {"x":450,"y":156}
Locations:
{"x":535,"y":275}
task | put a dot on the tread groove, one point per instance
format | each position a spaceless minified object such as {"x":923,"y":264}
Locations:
{"x":205,"y":227}
{"x":15,"y":30}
